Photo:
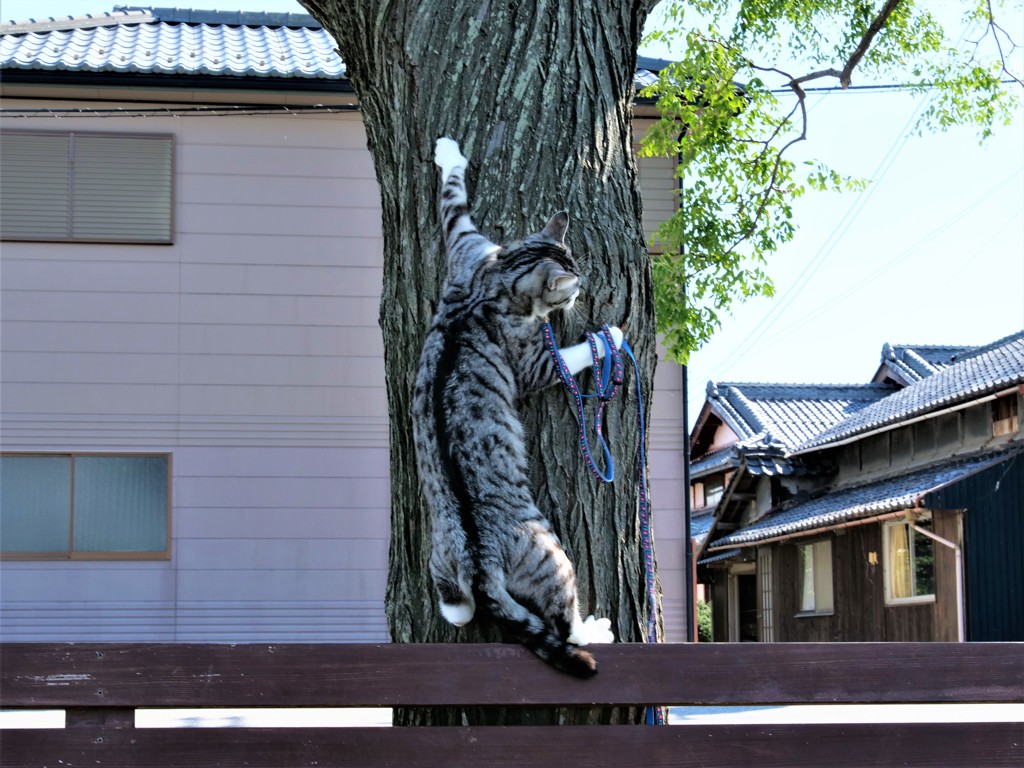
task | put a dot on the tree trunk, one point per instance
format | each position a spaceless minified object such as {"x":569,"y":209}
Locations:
{"x":539,"y":95}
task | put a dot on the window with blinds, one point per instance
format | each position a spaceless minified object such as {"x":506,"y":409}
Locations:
{"x":88,"y":187}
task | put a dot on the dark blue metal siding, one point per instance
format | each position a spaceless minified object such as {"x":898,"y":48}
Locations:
{"x":993,"y":547}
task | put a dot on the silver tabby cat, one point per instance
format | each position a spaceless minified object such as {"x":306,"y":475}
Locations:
{"x":492,"y":547}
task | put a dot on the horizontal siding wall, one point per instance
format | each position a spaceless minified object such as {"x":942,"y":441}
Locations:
{"x":249,"y":349}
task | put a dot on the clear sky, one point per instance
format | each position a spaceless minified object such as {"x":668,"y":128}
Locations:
{"x":931,"y":253}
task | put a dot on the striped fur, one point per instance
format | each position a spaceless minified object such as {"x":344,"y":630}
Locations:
{"x":492,"y":547}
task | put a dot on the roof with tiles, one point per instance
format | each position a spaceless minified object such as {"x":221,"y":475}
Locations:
{"x":788,"y":415}
{"x":907,"y":363}
{"x":184,"y":41}
{"x":979,"y":372}
{"x":860,"y":501}
{"x":171,"y":41}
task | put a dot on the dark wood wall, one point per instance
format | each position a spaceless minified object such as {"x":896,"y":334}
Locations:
{"x":859,"y":610}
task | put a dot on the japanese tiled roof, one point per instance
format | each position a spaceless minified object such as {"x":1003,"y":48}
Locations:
{"x":973,"y":374}
{"x":859,"y":501}
{"x":182,"y":41}
{"x":908,"y":363}
{"x":788,"y":415}
{"x":171,"y":41}
{"x":701,"y":524}
{"x":770,"y":420}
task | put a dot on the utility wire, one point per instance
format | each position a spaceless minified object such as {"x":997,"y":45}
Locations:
{"x":896,"y":261}
{"x":831,"y":242}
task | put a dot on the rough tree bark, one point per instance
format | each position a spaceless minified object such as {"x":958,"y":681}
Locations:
{"x":539,"y":94}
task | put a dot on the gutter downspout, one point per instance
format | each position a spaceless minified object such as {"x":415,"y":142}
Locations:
{"x":960,"y":627}
{"x":689,"y":558}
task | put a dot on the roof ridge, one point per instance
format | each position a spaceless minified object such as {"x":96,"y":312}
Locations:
{"x":989,"y":347}
{"x":932,"y":346}
{"x":230,"y":18}
{"x":139,"y":14}
{"x":871,"y":385}
{"x":986,"y":370}
{"x":117,"y":17}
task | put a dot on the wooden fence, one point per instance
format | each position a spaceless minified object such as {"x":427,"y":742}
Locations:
{"x":100,"y":686}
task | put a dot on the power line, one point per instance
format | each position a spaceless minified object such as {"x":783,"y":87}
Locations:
{"x":876,"y":88}
{"x":831,"y":242}
{"x":907,"y":253}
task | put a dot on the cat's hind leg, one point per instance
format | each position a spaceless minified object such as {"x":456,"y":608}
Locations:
{"x":591,"y":631}
{"x":547,"y":571}
{"x":455,"y":596}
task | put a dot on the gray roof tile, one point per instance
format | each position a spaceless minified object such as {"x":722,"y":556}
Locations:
{"x":788,"y":415}
{"x":907,"y":363}
{"x":980,"y":372}
{"x":140,"y":44}
{"x":859,"y":501}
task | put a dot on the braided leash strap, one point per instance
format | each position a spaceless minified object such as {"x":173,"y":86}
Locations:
{"x":608,"y":378}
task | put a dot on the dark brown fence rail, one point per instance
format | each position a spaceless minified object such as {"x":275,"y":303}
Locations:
{"x":100,"y":686}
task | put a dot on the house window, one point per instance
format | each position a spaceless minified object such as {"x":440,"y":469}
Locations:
{"x":84,"y":506}
{"x":815,"y":574}
{"x":909,"y":562}
{"x":86,"y":187}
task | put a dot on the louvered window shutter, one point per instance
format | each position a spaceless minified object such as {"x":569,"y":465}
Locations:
{"x":87,"y":187}
{"x":35,"y":192}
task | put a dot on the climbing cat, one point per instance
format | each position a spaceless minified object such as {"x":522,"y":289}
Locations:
{"x":483,"y":353}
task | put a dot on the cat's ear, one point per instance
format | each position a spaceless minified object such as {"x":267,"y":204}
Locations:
{"x":557,"y":226}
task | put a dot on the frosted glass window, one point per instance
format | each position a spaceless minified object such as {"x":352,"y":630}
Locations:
{"x":77,"y":506}
{"x":120,"y":504}
{"x":35,"y":503}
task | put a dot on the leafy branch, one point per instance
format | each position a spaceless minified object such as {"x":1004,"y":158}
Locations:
{"x":732,"y":134}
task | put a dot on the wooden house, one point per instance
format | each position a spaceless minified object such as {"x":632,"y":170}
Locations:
{"x":193,"y":414}
{"x":892,"y":510}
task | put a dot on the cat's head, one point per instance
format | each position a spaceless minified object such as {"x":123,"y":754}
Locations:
{"x":540,"y":271}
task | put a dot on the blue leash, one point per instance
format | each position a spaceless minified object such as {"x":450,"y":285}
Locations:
{"x":607,"y":379}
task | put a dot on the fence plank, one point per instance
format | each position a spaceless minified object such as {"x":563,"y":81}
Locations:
{"x":198,"y":675}
{"x":785,"y":746}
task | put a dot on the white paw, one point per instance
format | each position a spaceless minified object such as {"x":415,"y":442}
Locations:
{"x":447,"y":156}
{"x":617,"y":335}
{"x":592,"y":631}
{"x":459,"y":614}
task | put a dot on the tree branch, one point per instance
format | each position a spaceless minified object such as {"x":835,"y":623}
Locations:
{"x":865,"y":42}
{"x":995,"y":29}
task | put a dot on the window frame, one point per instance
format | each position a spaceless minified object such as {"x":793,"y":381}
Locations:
{"x":887,"y":566}
{"x":70,"y":171}
{"x":70,"y":555}
{"x":819,"y":574}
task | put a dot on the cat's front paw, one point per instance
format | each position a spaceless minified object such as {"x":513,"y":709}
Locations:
{"x":447,"y":156}
{"x":592,"y":631}
{"x":617,"y":335}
